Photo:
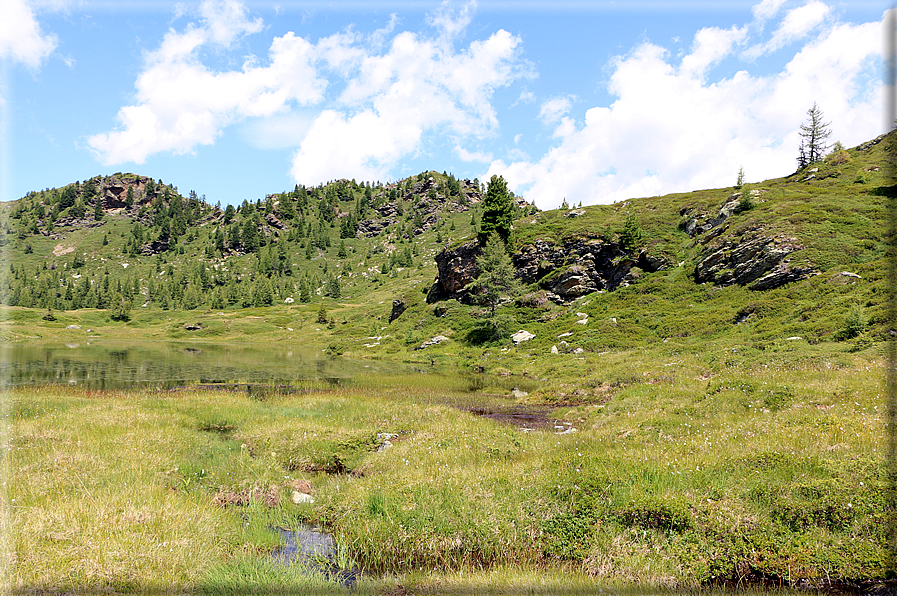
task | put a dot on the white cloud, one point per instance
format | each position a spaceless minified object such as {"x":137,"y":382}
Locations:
{"x":419,"y":86}
{"x":711,"y":45}
{"x":797,"y":24}
{"x":181,"y":103}
{"x":672,"y":131}
{"x":452,"y":22}
{"x":554,"y":109}
{"x":398,"y":88}
{"x":21,"y":37}
{"x":465,"y":155}
{"x":225,"y":21}
{"x":766,"y":9}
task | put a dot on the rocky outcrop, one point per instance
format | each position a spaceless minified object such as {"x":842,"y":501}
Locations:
{"x":577,"y":267}
{"x":370,"y":227}
{"x":398,"y":307}
{"x":754,"y":259}
{"x":700,"y":223}
{"x":455,"y":269}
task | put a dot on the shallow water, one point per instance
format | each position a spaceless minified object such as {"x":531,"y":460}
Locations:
{"x":316,"y":551}
{"x":165,"y":365}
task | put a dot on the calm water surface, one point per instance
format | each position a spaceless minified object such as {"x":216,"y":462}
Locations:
{"x":114,"y":365}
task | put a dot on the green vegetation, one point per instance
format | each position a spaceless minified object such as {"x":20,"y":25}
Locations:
{"x":722,"y":434}
{"x":498,"y":211}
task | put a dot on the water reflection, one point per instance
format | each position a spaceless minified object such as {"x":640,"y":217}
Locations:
{"x":115,"y":365}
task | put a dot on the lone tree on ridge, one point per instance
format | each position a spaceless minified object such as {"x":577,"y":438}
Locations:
{"x":812,"y":138}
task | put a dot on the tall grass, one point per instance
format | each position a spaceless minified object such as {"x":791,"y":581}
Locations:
{"x":685,"y":477}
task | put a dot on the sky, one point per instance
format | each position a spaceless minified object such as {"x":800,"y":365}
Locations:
{"x":590,"y":102}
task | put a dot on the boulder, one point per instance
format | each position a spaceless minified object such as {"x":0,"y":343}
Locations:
{"x":455,"y":269}
{"x":398,"y":307}
{"x":522,"y":336}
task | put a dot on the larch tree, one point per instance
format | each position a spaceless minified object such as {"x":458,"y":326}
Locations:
{"x":813,"y":137}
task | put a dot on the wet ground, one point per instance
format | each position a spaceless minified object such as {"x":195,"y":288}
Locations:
{"x":524,"y":417}
{"x":316,"y":551}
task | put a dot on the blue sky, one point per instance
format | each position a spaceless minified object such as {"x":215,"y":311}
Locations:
{"x":591,"y":102}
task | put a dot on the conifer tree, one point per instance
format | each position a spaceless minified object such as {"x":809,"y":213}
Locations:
{"x":813,"y":137}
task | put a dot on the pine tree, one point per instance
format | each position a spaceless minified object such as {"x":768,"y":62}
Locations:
{"x":496,"y":274}
{"x":813,"y":137}
{"x":498,"y":211}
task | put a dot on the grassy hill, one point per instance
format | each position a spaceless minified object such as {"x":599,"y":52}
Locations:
{"x":723,"y":433}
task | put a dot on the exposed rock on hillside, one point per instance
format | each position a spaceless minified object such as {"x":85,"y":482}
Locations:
{"x":455,"y":269}
{"x":579,"y":266}
{"x":698,"y":223}
{"x":754,"y":260}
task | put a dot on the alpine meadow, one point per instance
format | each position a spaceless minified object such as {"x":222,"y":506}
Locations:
{"x":682,"y":392}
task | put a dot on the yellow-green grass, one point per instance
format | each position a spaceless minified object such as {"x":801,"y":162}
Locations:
{"x":682,"y":477}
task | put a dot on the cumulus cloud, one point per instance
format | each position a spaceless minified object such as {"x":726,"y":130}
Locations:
{"x":766,"y":9}
{"x":674,"y":128}
{"x":797,"y":24}
{"x":181,"y":103}
{"x":554,"y":109}
{"x":418,"y":86}
{"x":398,"y":87}
{"x":21,"y":38}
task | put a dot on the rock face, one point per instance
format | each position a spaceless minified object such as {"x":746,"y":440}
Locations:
{"x":398,"y":307}
{"x":697,"y":223}
{"x":754,"y":260}
{"x":455,"y":269}
{"x":579,"y":266}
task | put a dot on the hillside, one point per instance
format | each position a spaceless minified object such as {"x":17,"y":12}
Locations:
{"x":711,"y":362}
{"x":771,"y":256}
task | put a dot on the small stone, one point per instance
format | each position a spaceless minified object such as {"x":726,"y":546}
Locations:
{"x":435,"y":340}
{"x":578,"y":351}
{"x":73,"y":327}
{"x":849,"y":274}
{"x":793,"y":338}
{"x":567,"y":334}
{"x":518,"y":393}
{"x":582,"y":322}
{"x":289,"y":300}
{"x":386,"y":444}
{"x":554,"y":349}
{"x":522,"y":336}
{"x":299,"y":498}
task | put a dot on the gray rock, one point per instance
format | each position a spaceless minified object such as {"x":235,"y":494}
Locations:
{"x":849,"y":274}
{"x":757,"y":261}
{"x":554,"y":349}
{"x":398,"y":307}
{"x":73,"y":327}
{"x":433,"y":341}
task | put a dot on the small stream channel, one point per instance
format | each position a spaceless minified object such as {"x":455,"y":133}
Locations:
{"x":315,"y":551}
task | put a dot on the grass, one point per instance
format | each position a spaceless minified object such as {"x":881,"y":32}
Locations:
{"x":691,"y":474}
{"x":723,"y":436}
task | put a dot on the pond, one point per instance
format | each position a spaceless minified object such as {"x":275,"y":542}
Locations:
{"x":165,"y":365}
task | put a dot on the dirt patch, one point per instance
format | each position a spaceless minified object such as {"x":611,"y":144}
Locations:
{"x":269,"y":498}
{"x":60,"y":250}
